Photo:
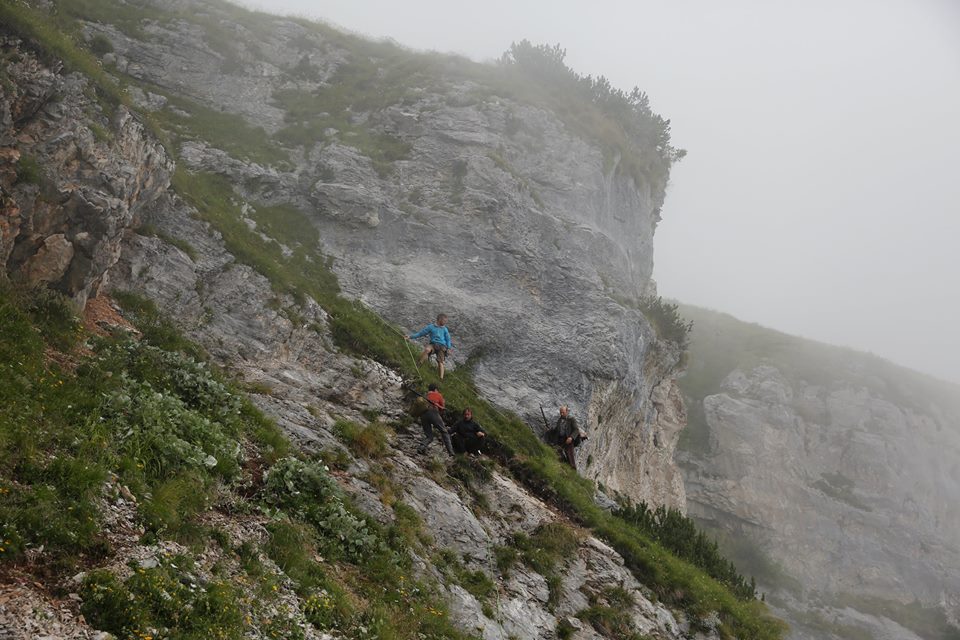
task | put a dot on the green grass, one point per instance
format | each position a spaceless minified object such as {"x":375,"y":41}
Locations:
{"x":610,"y":622}
{"x":365,"y":441}
{"x":28,"y":170}
{"x":134,"y":410}
{"x":180,"y":243}
{"x":160,"y":598}
{"x":681,"y":535}
{"x":223,"y":130}
{"x":309,"y":115}
{"x":51,"y":38}
{"x":171,"y":429}
{"x":477,"y":583}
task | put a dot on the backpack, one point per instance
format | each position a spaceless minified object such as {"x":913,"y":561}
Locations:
{"x":418,"y":407}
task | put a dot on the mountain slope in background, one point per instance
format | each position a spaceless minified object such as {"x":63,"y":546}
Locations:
{"x":832,"y":475}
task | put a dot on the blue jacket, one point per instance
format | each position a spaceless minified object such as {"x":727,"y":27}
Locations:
{"x":438,"y":335}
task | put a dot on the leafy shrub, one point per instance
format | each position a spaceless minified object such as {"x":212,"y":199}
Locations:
{"x":161,"y":432}
{"x":158,"y":598}
{"x":304,"y":490}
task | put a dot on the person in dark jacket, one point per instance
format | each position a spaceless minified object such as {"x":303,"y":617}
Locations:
{"x":431,"y":419}
{"x":468,"y":435}
{"x":568,"y":435}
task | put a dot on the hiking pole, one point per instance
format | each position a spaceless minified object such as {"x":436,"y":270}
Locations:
{"x":546,"y":423}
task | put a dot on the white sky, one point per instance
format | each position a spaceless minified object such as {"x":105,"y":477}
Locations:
{"x":821,"y":193}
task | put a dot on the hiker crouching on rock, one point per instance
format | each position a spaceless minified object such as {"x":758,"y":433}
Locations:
{"x":569,"y":435}
{"x":431,"y":419}
{"x":439,"y":343}
{"x":468,"y":435}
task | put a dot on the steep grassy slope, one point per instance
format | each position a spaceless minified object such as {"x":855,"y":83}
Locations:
{"x":145,"y":425}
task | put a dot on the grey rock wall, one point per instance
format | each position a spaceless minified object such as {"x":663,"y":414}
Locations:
{"x":499,"y":215}
{"x":853,"y":494}
{"x":72,"y":178}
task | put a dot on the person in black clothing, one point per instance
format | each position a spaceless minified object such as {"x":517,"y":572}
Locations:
{"x":568,"y":435}
{"x":468,"y":435}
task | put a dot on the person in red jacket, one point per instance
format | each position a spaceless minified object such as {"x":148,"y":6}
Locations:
{"x":431,"y":419}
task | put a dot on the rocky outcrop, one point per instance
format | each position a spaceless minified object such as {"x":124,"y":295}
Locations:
{"x":848,"y":490}
{"x":72,"y":177}
{"x":235,"y":314}
{"x":490,"y":209}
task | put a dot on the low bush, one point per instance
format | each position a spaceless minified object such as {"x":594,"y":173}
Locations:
{"x":303,"y":489}
{"x":610,"y":622}
{"x":28,"y":170}
{"x":366,"y":441}
{"x":163,"y":597}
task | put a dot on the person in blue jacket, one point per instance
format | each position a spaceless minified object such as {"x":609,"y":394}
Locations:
{"x":439,"y":343}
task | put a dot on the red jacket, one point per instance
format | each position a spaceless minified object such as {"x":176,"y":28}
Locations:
{"x":437,"y":399}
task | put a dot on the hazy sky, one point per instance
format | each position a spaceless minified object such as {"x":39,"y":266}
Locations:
{"x":821,"y":193}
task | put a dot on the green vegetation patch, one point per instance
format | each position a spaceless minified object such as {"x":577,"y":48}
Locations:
{"x":681,"y":535}
{"x":610,"y":622}
{"x":180,"y":243}
{"x":28,"y":170}
{"x":176,"y":433}
{"x":365,"y":441}
{"x":477,"y":583}
{"x":189,"y":120}
{"x":54,"y":39}
{"x":163,"y":597}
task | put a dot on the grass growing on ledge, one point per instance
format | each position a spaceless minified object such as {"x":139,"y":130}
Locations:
{"x":227,"y":131}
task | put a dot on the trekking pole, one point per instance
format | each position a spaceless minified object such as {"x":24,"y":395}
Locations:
{"x":546,"y":423}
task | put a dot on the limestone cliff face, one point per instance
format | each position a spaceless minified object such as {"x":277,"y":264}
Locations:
{"x":497,"y":214}
{"x":844,"y":473}
{"x":71,"y":179}
{"x":92,"y":211}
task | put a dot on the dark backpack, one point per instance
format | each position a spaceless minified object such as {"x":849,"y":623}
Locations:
{"x":418,"y":407}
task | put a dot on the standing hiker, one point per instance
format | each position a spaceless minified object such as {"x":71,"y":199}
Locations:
{"x":431,"y":419}
{"x":468,"y":435}
{"x":439,"y":343}
{"x":568,"y":435}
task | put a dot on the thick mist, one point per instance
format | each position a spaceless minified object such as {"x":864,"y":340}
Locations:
{"x":819,"y":196}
